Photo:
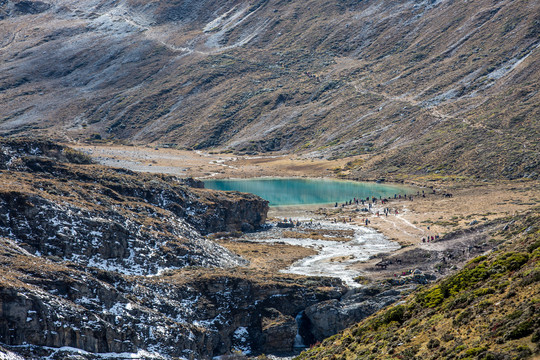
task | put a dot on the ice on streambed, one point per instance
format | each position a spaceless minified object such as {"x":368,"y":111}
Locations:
{"x":334,"y":258}
{"x":8,"y":355}
{"x":61,"y":352}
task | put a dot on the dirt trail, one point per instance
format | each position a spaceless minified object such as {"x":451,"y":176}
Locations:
{"x":199,"y":164}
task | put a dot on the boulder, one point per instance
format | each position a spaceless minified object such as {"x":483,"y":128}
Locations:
{"x":278,"y":332}
{"x":330,"y":317}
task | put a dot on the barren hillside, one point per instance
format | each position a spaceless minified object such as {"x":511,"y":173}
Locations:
{"x":417,"y":87}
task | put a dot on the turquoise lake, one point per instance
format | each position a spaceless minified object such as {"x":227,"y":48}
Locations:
{"x":298,"y":191}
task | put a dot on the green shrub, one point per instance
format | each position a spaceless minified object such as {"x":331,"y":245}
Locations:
{"x":502,"y":286}
{"x":536,"y":336}
{"x":447,"y":337}
{"x":433,"y":343}
{"x":478,"y":259}
{"x":347,"y":341}
{"x":521,"y":330}
{"x":465,"y":279}
{"x":462,"y":318}
{"x":475,"y":272}
{"x":475,"y":351}
{"x":485,"y":304}
{"x":515,"y":315}
{"x":413,"y":323}
{"x":397,"y":313}
{"x":532,"y":277}
{"x":534,"y":246}
{"x":433,"y":297}
{"x":484,"y":291}
{"x":358,"y":332}
{"x":511,"y":261}
{"x":523,"y":352}
{"x":459,"y":302}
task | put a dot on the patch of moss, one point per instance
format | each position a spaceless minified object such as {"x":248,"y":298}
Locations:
{"x":523,"y":329}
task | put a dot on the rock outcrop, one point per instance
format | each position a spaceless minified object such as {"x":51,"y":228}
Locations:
{"x":104,"y":261}
{"x":278,"y":332}
{"x":47,"y":304}
{"x":330,"y":317}
{"x":113,"y":218}
{"x":206,"y":210}
{"x":183,"y":313}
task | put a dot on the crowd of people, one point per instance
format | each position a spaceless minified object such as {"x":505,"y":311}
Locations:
{"x":369,"y":205}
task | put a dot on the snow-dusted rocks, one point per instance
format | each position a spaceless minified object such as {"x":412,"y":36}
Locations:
{"x":114,"y":219}
{"x":85,"y":249}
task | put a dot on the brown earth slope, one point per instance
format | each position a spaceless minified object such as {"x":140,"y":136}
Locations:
{"x":446,"y":87}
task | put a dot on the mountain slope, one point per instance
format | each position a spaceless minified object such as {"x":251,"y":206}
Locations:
{"x":401,"y":83}
{"x":488,"y":310}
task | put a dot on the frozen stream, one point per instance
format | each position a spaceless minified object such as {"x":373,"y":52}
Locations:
{"x":298,"y":195}
{"x":334,"y":258}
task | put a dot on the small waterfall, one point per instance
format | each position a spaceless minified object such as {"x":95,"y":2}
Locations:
{"x":299,"y":340}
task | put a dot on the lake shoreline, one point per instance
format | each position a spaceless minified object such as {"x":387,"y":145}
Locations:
{"x":290,"y":191}
{"x":456,"y":222}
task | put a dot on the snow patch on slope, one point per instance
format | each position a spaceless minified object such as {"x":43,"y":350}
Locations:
{"x":224,"y":19}
{"x":226,"y":23}
{"x":510,"y":65}
{"x":8,"y":355}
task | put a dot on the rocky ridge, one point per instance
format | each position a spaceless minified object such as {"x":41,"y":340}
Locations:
{"x":83,"y":247}
{"x":52,"y":309}
{"x":113,"y":218}
{"x":99,"y":263}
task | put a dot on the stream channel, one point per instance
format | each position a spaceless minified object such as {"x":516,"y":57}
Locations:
{"x":294,"y":198}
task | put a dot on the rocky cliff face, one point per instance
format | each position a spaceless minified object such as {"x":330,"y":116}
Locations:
{"x":330,"y":317}
{"x":47,"y":305}
{"x":115,"y":219}
{"x":83,"y":248}
{"x":95,"y":260}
